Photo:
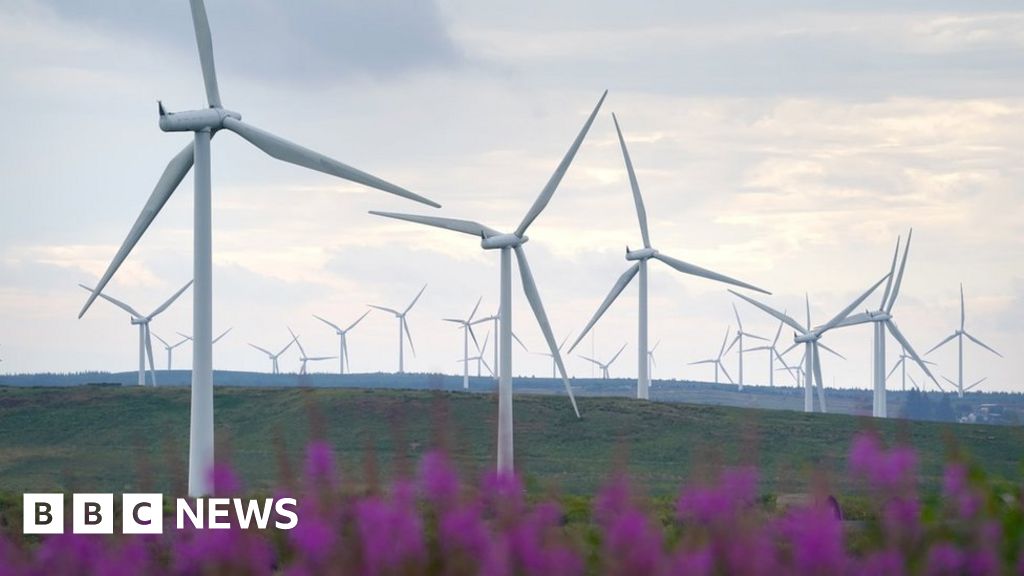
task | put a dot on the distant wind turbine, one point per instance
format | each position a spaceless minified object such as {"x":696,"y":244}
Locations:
{"x":170,"y":348}
{"x":467,"y":332}
{"x":303,"y":357}
{"x":901,"y":364}
{"x":497,"y":330}
{"x":403,"y":329}
{"x":959,"y":335}
{"x":604,"y":365}
{"x":738,"y":342}
{"x":641,"y":257}
{"x":773,"y":354}
{"x":274,"y":369}
{"x":507,"y":244}
{"x":717,"y":360}
{"x":650,"y":360}
{"x":810,"y":337}
{"x":554,"y":366}
{"x":343,"y":338}
{"x":479,"y":358}
{"x":142,"y":321}
{"x":204,"y":124}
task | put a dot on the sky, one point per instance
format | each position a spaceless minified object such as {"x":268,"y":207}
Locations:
{"x":786,"y":143}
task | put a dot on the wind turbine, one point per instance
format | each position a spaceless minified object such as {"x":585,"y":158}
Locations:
{"x":215,"y":340}
{"x":343,"y":337}
{"x":403,"y":329}
{"x":738,"y":341}
{"x":273,"y":357}
{"x":810,"y":337}
{"x":508,"y":243}
{"x":480,"y":357}
{"x":717,"y":360}
{"x":882,"y":320}
{"x":773,"y":353}
{"x":497,"y":329}
{"x":467,"y":331}
{"x":959,"y":335}
{"x":170,"y":348}
{"x":554,"y":367}
{"x":641,"y":257}
{"x":650,"y":360}
{"x":142,"y":321}
{"x":303,"y":357}
{"x":204,"y":123}
{"x":604,"y":365}
{"x":901,"y":364}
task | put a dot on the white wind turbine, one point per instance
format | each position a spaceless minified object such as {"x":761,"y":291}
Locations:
{"x":641,"y":257}
{"x":810,"y":337}
{"x":343,"y":338}
{"x":604,"y":365}
{"x":142,"y":321}
{"x":738,"y":342}
{"x":467,"y":332}
{"x":303,"y":357}
{"x":495,"y":318}
{"x":959,"y":335}
{"x":773,"y":354}
{"x":717,"y":360}
{"x":403,"y":329}
{"x":901,"y":365}
{"x":170,"y":348}
{"x":491,"y":239}
{"x":479,"y":358}
{"x":882,"y":320}
{"x":650,"y":360}
{"x":274,"y":369}
{"x":203,"y":124}
{"x":554,"y":366}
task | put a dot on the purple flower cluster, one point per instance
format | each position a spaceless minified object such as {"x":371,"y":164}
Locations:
{"x":438,"y":523}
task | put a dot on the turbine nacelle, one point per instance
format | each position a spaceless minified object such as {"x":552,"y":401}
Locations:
{"x":137,"y":321}
{"x":804,"y":338}
{"x":502,"y":241}
{"x":642,"y":254}
{"x":195,"y":120}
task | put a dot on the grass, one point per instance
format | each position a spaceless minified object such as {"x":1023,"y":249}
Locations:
{"x":129,"y":439}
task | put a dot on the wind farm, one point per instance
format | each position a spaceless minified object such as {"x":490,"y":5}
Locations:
{"x":544,"y":146}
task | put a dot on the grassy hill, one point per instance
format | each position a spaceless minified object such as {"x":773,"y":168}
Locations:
{"x":119,"y":439}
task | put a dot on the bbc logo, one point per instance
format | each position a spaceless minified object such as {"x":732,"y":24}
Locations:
{"x":93,"y":513}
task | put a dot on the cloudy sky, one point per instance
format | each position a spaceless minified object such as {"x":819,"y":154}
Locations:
{"x":788,"y":143}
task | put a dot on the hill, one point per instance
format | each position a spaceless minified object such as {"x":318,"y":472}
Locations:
{"x":119,"y":439}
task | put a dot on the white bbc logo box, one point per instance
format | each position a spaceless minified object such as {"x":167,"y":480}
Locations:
{"x":93,"y":513}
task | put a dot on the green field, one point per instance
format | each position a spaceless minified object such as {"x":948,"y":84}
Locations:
{"x":123,"y":439}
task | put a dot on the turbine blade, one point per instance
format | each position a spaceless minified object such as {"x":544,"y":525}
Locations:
{"x":392,"y":310}
{"x":833,"y":352}
{"x":488,"y":366}
{"x":733,"y":343}
{"x":588,"y":359}
{"x":264,"y":350}
{"x":892,"y":273}
{"x":617,"y":289}
{"x":414,"y":300}
{"x":641,"y":212}
{"x":855,"y":319}
{"x":726,"y":372}
{"x":175,"y":172}
{"x":331,"y":324}
{"x":204,"y":42}
{"x":939,"y":345}
{"x":721,"y":351}
{"x":295,"y":339}
{"x":222,"y":334}
{"x":475,"y":308}
{"x":520,"y":342}
{"x":780,"y":316}
{"x":777,"y":334}
{"x":405,"y":325}
{"x":703,"y":362}
{"x":292,"y":153}
{"x":687,"y":268}
{"x":149,"y":355}
{"x":899,"y":276}
{"x":963,"y":313}
{"x":556,"y":178}
{"x":737,"y":314}
{"x":975,"y":384}
{"x":453,"y":224}
{"x":185,"y":336}
{"x":617,"y":355}
{"x":906,"y":346}
{"x":170,"y":300}
{"x":846,"y":311}
{"x":818,"y":380}
{"x":982,"y":344}
{"x":472,"y":335}
{"x":953,"y":384}
{"x":358,"y":320}
{"x":791,"y":346}
{"x":533,"y":297}
{"x":894,"y":367}
{"x":162,"y":341}
{"x":135,"y":313}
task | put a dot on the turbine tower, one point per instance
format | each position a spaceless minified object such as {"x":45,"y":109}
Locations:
{"x":640,"y":259}
{"x":203,"y":124}
{"x":604,"y":365}
{"x":142,"y":321}
{"x":810,"y":337}
{"x":169,"y":348}
{"x":717,"y":360}
{"x":274,"y":369}
{"x":959,"y":335}
{"x":467,"y":331}
{"x":882,"y":320}
{"x":738,"y":342}
{"x":773,"y":354}
{"x":507,"y":244}
{"x":403,"y":329}
{"x":343,"y":338}
{"x":303,"y":357}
